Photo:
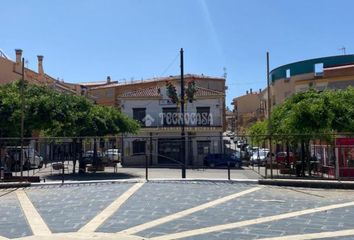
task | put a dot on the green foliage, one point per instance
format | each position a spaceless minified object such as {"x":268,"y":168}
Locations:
{"x":258,"y":132}
{"x":314,"y":114}
{"x":58,"y":114}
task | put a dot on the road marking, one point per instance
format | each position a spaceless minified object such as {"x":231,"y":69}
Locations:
{"x":34,"y":219}
{"x":82,"y":236}
{"x":341,"y":233}
{"x":92,"y":225}
{"x":186,"y":212}
{"x":228,"y":226}
{"x":269,"y":200}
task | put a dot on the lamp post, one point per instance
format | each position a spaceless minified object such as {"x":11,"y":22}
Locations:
{"x":183,"y":155}
{"x":269,"y":121}
{"x":22,"y":115}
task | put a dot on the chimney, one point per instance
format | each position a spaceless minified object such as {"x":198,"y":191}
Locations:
{"x":40,"y":65}
{"x":251,"y":90}
{"x":246,"y":92}
{"x":18,"y":56}
{"x":108,"y":79}
{"x":260,"y":90}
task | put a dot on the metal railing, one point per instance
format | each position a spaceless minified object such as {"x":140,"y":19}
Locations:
{"x":289,"y":156}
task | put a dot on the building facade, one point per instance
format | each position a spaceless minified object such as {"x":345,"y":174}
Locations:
{"x":248,"y":109}
{"x":334,"y":72}
{"x":160,"y":136}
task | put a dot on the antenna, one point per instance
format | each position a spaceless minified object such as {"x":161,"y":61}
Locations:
{"x":225,"y":72}
{"x":343,"y":49}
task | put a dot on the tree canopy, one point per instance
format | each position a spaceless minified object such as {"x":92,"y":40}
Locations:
{"x":312,"y":114}
{"x":58,"y":114}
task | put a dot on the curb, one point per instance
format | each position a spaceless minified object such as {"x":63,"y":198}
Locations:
{"x":326,"y":184}
{"x":307,"y":183}
{"x":15,"y":185}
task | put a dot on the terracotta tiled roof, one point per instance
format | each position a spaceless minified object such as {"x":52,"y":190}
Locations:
{"x":160,"y":79}
{"x":153,"y":92}
{"x":146,"y":92}
{"x":202,"y":92}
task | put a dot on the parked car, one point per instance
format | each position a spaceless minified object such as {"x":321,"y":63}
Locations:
{"x":87,"y":157}
{"x":218,"y":159}
{"x":259,"y":157}
{"x":281,"y":157}
{"x":113,"y":154}
{"x":31,"y":158}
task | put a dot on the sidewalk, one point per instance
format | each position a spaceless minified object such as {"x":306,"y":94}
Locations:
{"x":49,"y":176}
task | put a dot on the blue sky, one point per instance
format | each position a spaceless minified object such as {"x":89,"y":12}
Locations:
{"x":87,"y":40}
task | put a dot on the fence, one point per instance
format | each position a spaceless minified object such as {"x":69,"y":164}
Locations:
{"x":317,"y":156}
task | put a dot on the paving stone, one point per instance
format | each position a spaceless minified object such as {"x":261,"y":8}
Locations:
{"x":67,"y":209}
{"x":265,"y":202}
{"x":155,"y":200}
{"x":12,"y":220}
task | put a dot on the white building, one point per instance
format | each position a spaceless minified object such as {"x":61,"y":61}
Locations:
{"x":159,"y":140}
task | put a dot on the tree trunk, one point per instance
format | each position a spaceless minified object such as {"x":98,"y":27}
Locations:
{"x":94,"y":162}
{"x":82,"y":167}
{"x":75,"y":155}
{"x":302,"y":158}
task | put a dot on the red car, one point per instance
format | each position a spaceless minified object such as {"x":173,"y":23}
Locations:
{"x":282,"y":157}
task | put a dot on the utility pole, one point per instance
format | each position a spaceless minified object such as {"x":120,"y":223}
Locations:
{"x":269,"y":121}
{"x":22,"y":114}
{"x":183,"y":140}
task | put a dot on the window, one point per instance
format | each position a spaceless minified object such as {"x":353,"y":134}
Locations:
{"x":139,"y":115}
{"x":319,"y":69}
{"x":138,"y":147}
{"x":171,"y":117}
{"x":109,"y":93}
{"x":287,"y":74}
{"x":203,"y":116}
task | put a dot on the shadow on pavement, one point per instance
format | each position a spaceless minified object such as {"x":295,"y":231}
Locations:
{"x":91,"y":176}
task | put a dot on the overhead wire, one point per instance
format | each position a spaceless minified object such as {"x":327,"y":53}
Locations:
{"x":170,"y":65}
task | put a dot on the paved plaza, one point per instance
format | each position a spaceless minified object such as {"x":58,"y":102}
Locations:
{"x":175,"y":210}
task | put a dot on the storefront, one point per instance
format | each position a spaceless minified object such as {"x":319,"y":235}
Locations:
{"x":345,"y":157}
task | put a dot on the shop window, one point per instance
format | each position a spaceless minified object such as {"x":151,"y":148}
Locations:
{"x":203,"y":147}
{"x":138,"y":147}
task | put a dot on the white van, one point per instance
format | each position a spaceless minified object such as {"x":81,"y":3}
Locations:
{"x":31,"y":158}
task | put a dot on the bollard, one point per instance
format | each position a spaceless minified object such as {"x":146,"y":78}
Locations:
{"x":228,"y":171}
{"x":2,"y":173}
{"x":63,"y":172}
{"x":146,"y":168}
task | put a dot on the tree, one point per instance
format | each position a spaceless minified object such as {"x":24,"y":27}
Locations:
{"x":56,"y":114}
{"x":258,"y":132}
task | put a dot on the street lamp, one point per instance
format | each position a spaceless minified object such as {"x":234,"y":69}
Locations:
{"x":183,"y":155}
{"x":22,"y":114}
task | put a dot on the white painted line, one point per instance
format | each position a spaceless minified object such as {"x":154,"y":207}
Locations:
{"x":341,"y":233}
{"x":34,"y":219}
{"x":186,"y":212}
{"x":92,"y":225}
{"x":228,"y":226}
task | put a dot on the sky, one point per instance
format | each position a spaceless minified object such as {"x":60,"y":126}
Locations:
{"x":85,"y":41}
